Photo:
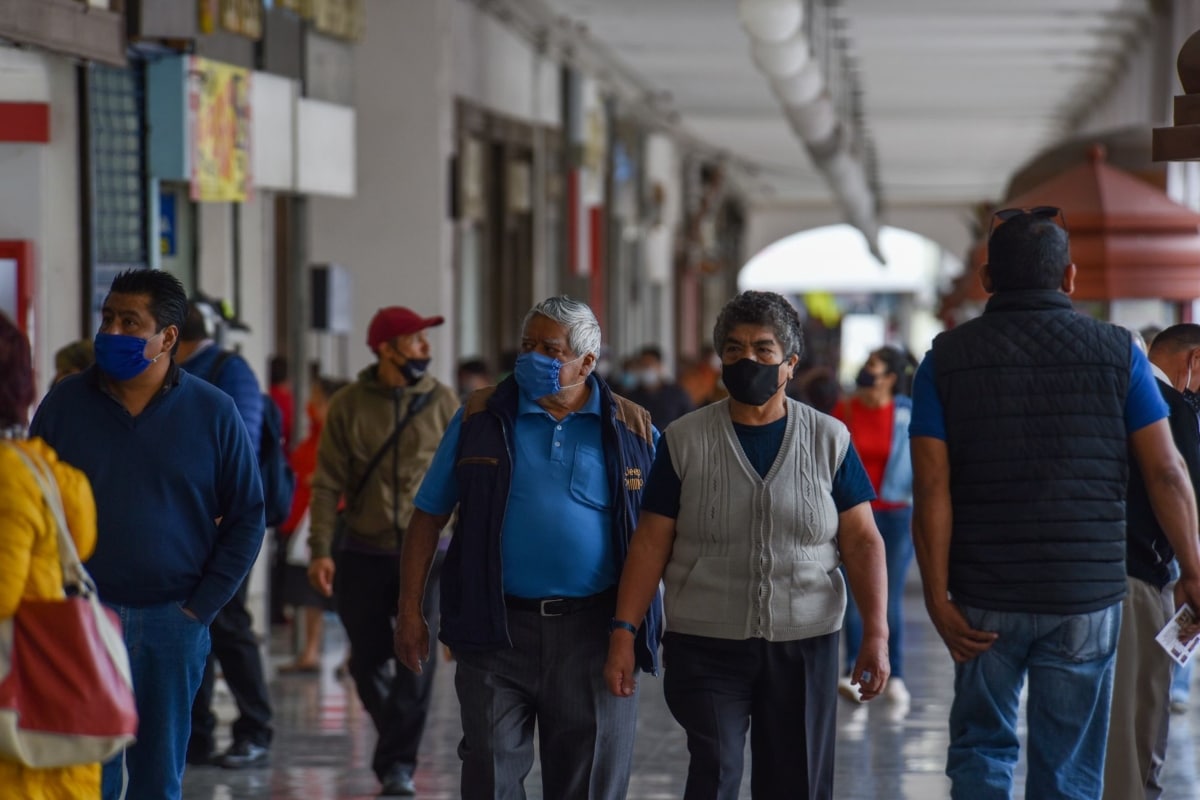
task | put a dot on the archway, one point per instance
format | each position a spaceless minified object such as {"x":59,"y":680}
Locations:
{"x":854,"y":303}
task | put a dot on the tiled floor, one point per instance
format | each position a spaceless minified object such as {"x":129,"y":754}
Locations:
{"x":324,"y":740}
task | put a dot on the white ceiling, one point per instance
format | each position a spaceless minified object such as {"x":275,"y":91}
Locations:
{"x":957,"y":93}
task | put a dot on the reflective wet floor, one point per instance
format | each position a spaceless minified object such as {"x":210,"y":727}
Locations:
{"x":323,"y":741}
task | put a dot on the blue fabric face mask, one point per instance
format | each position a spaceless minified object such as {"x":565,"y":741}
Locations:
{"x":123,"y":357}
{"x":414,"y":369}
{"x":537,"y":375}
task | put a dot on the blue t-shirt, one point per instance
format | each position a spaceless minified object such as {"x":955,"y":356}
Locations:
{"x":761,"y":444}
{"x":1143,"y":402}
{"x":556,"y":539}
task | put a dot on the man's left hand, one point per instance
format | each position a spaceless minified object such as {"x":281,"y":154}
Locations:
{"x":1187,"y":590}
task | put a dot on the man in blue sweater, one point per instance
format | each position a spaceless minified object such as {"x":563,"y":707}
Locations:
{"x":234,"y":643}
{"x":179,"y":510}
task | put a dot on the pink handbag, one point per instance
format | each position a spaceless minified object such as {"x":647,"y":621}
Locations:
{"x":66,"y":694}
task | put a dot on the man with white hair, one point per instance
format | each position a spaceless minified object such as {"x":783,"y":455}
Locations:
{"x":546,"y":471}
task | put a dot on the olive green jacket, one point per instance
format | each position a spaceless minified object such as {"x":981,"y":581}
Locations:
{"x":361,"y":417}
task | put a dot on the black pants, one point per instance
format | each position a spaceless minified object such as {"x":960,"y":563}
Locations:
{"x":785,"y":692}
{"x":366,"y":588}
{"x":236,"y":647}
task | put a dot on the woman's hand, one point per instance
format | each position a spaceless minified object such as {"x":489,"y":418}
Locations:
{"x":872,"y":669}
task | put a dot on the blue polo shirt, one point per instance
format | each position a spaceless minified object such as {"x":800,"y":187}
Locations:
{"x":556,"y":540}
{"x":1144,"y":404}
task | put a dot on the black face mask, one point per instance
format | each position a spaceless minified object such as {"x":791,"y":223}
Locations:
{"x":750,"y":382}
{"x":414,"y":369}
{"x":865,"y":379}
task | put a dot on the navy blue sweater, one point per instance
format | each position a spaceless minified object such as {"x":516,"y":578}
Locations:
{"x":162,"y":479}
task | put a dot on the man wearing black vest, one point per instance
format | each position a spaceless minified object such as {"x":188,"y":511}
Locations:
{"x":1137,"y":735}
{"x":1022,"y":424}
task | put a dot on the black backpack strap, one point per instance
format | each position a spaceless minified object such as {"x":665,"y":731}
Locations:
{"x":418,"y":403}
{"x":222,"y":357}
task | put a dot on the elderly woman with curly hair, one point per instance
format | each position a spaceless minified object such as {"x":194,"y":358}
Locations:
{"x":29,"y":565}
{"x":750,"y":507}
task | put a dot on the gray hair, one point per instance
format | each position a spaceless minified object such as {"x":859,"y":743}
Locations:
{"x":583,"y":331}
{"x":762,"y":308}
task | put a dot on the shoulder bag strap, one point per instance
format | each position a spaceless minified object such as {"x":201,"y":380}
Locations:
{"x":74,"y":575}
{"x":418,"y":403}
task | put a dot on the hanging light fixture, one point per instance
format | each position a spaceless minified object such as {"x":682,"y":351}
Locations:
{"x":780,"y":60}
{"x":782,"y":52}
{"x":771,"y":20}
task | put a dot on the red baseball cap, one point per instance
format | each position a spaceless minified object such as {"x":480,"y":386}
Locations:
{"x":393,"y":321}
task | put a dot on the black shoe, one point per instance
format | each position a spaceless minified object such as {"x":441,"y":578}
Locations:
{"x":243,"y":755}
{"x":399,"y":783}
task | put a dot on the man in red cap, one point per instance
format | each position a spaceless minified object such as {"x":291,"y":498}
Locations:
{"x":379,"y":437}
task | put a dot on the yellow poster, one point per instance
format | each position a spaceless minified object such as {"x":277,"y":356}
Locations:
{"x":219,"y":107}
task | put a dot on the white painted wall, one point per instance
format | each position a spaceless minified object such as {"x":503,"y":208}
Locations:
{"x":1141,"y":93}
{"x":273,"y":131}
{"x":39,"y":199}
{"x":495,"y":68}
{"x":325,"y":140}
{"x":393,"y":236}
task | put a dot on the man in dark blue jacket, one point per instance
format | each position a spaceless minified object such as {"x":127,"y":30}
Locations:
{"x":179,"y":508}
{"x":234,"y":643}
{"x":546,"y":471}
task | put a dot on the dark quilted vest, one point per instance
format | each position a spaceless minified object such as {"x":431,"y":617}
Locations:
{"x":1034,"y":399}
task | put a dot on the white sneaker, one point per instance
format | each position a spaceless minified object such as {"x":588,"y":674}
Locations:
{"x":897,"y":693}
{"x":848,"y":690}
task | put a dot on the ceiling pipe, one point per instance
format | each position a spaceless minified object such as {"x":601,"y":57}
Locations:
{"x":782,"y":52}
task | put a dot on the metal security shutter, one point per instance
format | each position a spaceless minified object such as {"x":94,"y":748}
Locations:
{"x":116,"y":153}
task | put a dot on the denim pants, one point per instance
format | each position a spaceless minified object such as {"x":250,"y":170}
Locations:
{"x":167,"y":651}
{"x":1069,"y":660}
{"x":895,"y":526}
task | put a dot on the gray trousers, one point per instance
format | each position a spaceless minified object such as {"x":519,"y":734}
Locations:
{"x":1137,"y":731}
{"x":552,"y":675}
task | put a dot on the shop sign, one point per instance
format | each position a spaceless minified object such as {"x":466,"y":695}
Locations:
{"x":166,"y":224}
{"x":243,"y":17}
{"x":340,"y":18}
{"x":219,"y":117}
{"x":302,"y":7}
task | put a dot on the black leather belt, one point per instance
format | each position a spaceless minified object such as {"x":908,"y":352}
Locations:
{"x":559,"y":606}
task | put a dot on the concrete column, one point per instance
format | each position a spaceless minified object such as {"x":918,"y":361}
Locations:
{"x":394,"y":236}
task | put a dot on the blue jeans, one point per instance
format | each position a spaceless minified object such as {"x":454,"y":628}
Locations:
{"x":895,"y":526}
{"x":1070,"y":660}
{"x":167,"y":651}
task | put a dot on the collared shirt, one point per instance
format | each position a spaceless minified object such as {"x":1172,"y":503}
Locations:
{"x":557,"y":535}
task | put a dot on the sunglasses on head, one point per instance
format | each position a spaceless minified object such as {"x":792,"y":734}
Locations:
{"x":1005,"y":214}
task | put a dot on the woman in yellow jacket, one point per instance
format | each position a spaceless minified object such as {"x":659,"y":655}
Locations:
{"x":29,"y":565}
